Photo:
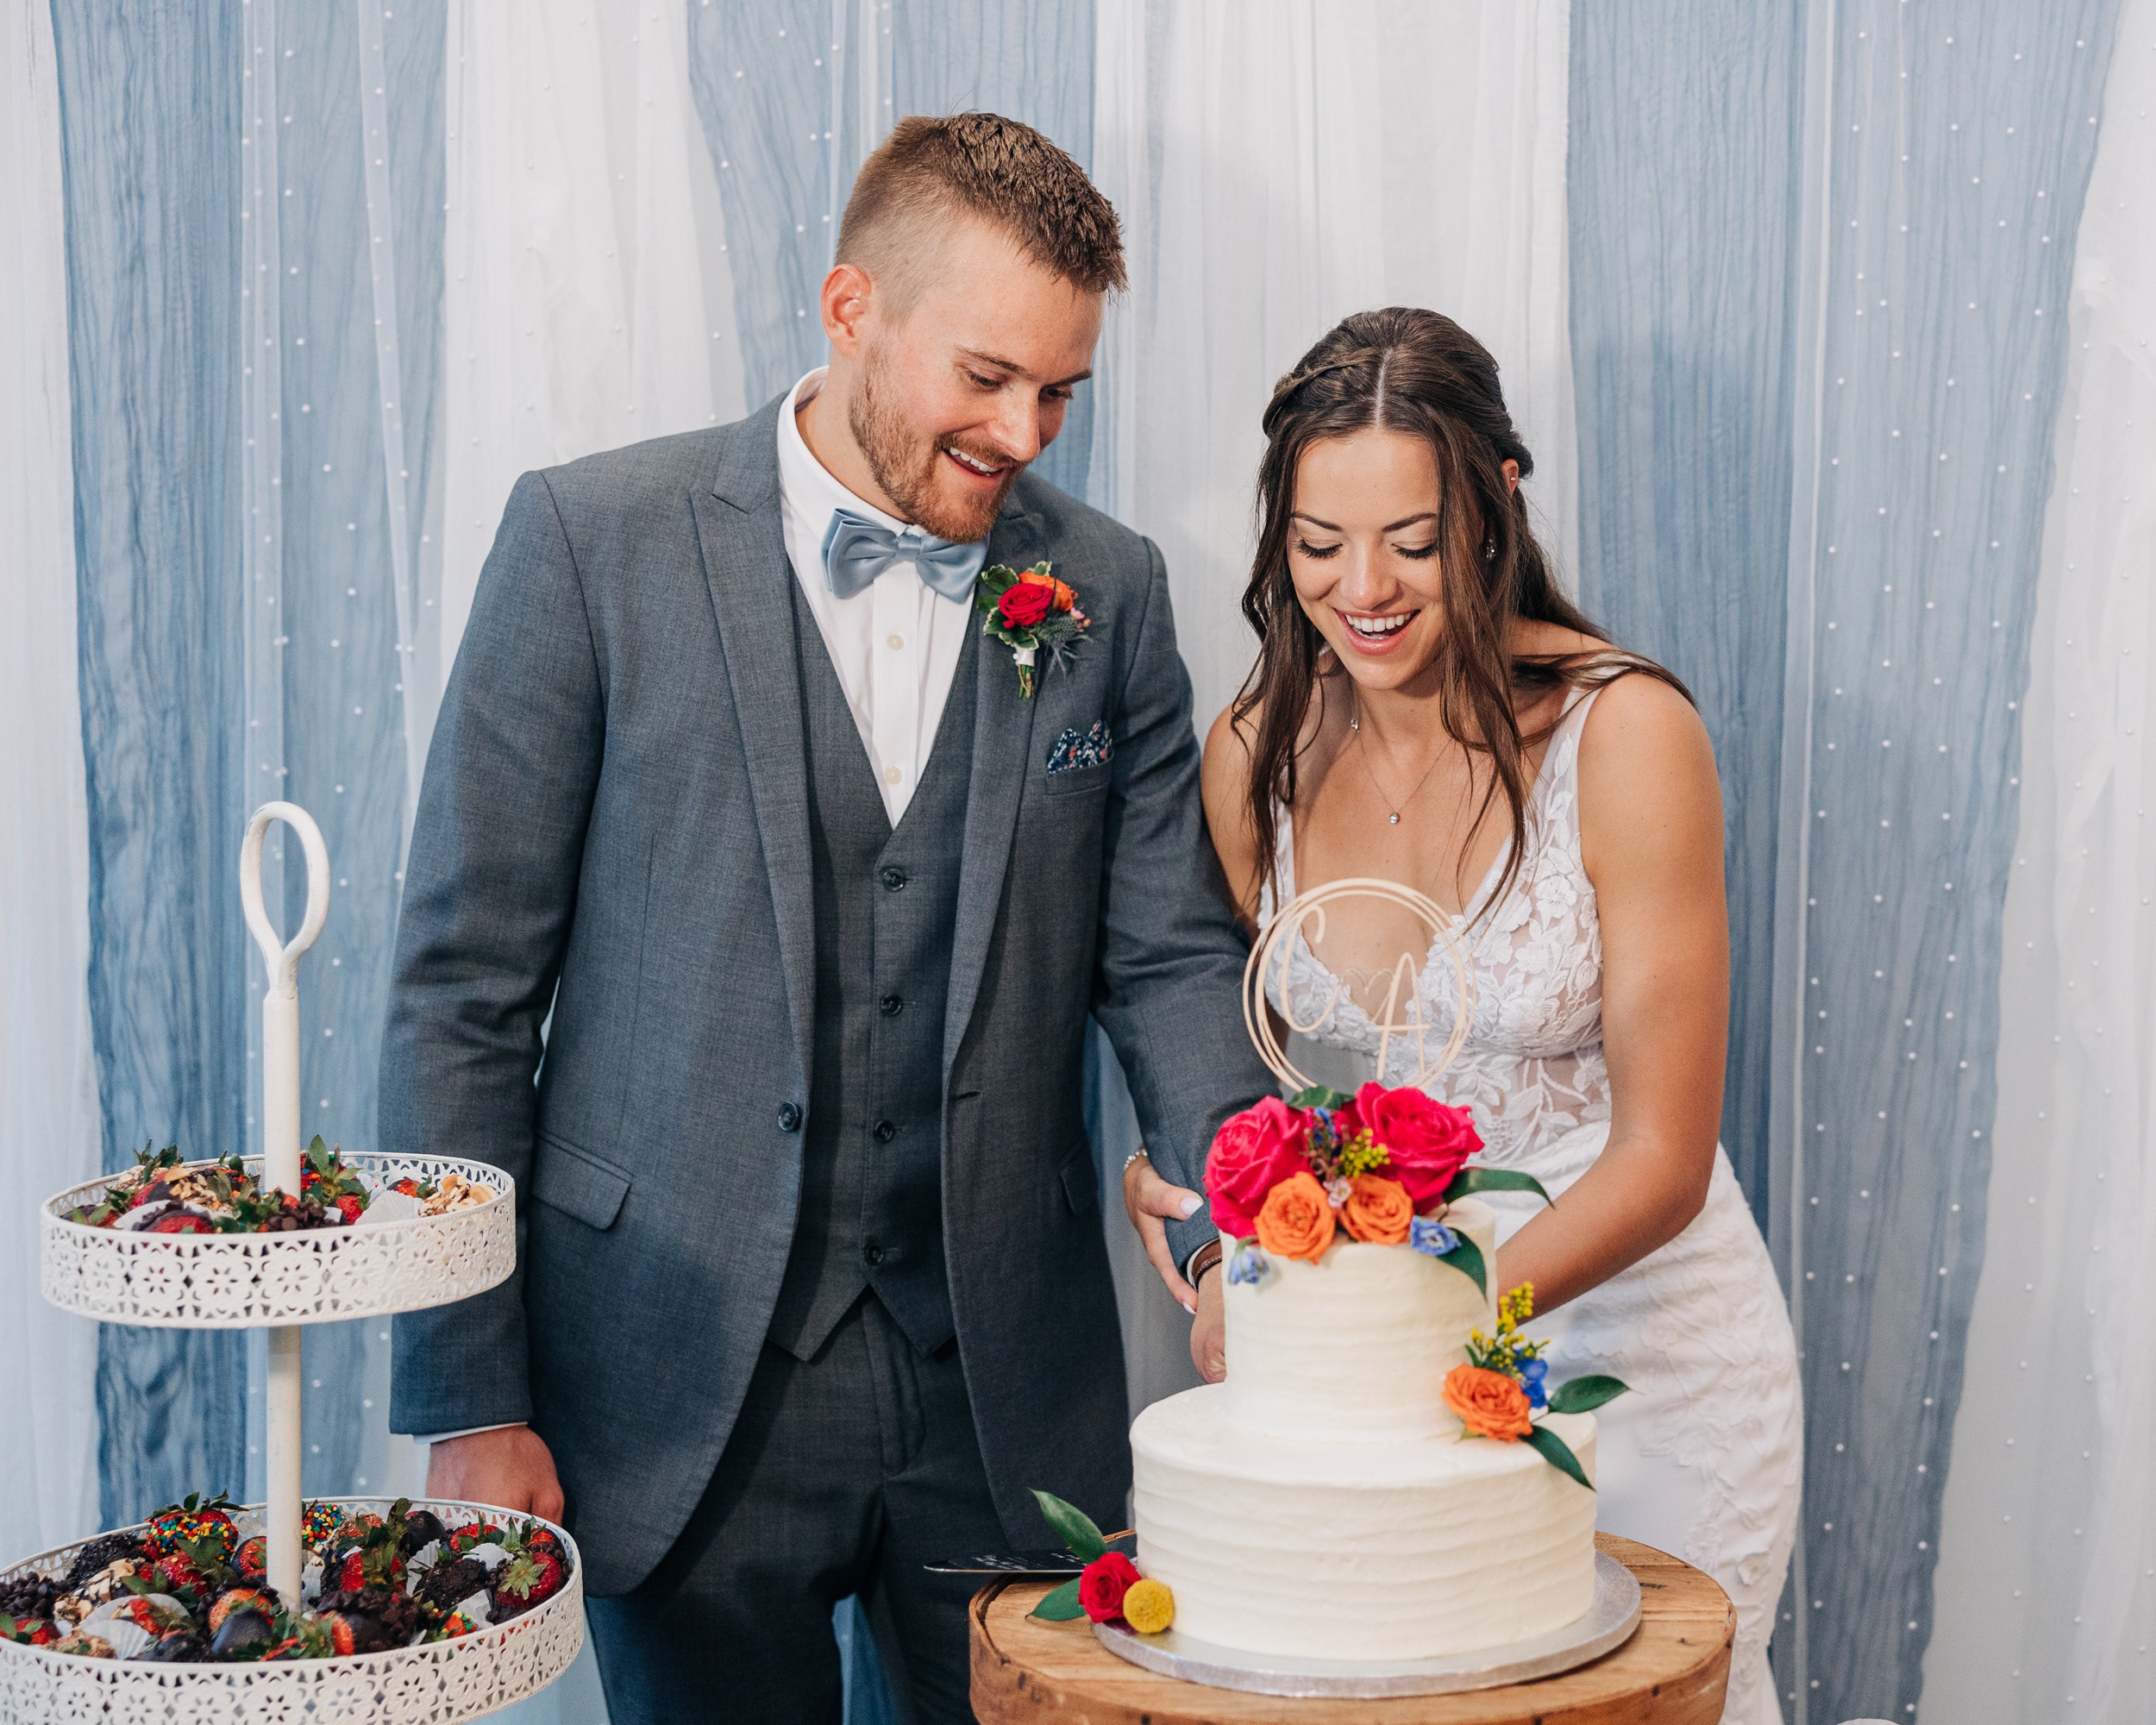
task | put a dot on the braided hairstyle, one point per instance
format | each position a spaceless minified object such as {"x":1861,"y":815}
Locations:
{"x":1415,"y":372}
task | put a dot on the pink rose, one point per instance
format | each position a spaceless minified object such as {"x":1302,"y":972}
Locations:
{"x":1426,"y":1141}
{"x":1252,"y":1153}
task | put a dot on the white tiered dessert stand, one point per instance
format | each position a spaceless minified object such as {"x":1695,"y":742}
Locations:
{"x":281,"y":1283}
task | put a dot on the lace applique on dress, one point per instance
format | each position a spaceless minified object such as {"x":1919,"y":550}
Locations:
{"x":1532,"y":1067}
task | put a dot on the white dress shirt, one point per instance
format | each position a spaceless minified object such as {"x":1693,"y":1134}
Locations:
{"x":895,"y":643}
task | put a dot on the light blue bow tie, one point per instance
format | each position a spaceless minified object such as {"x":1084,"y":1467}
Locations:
{"x":856,"y":551}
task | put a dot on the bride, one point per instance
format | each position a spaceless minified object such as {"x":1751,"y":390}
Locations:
{"x":1429,"y":708}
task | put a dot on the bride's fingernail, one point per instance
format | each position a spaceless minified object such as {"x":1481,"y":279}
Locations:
{"x":1188,"y":1306}
{"x":1190,"y":1204}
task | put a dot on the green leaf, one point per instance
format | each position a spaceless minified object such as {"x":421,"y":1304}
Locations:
{"x":1059,"y":1605}
{"x":1585,"y":1395}
{"x":1471,"y":1180}
{"x":1558,"y":1454}
{"x":1467,"y":1258}
{"x":1074,"y":1525}
{"x":1319,"y":1096}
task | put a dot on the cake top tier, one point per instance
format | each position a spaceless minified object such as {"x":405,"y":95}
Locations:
{"x":1354,"y":1347}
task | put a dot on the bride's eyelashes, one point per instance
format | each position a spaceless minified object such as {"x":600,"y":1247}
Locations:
{"x":1320,"y":553}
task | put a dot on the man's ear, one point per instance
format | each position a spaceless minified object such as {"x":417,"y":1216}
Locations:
{"x":848,"y":292}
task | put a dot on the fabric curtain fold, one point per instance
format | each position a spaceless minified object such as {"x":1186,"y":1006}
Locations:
{"x":2045,"y":1605}
{"x":49,"y":1122}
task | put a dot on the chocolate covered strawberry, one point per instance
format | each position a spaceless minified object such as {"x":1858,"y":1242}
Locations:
{"x":529,"y":1578}
{"x":178,"y":1525}
{"x":258,"y":1599}
{"x":30,"y":1632}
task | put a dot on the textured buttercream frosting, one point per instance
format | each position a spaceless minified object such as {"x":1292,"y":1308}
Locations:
{"x":1351,"y":1348}
{"x":1395,"y":1551}
{"x":1324,"y":1503}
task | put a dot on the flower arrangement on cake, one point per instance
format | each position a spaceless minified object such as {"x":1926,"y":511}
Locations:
{"x":163,"y":1194}
{"x":186,"y":1588}
{"x":1109,"y":1588}
{"x":1288,"y":1178}
{"x":1504,"y":1385}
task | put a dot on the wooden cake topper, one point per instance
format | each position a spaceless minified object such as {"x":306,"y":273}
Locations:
{"x":1304,"y":917}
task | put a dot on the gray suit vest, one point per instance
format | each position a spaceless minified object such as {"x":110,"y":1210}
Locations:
{"x":886,"y":910}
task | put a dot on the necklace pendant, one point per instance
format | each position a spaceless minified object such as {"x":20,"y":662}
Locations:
{"x":1391,"y":819}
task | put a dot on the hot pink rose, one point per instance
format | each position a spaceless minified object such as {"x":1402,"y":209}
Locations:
{"x":1426,"y":1141}
{"x":1252,"y":1153}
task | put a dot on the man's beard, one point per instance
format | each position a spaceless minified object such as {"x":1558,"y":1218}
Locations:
{"x":905,"y":466}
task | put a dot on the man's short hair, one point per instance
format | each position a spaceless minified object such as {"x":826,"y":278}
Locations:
{"x":931,"y":169}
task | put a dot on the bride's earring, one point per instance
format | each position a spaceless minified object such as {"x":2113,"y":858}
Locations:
{"x":1490,"y":550}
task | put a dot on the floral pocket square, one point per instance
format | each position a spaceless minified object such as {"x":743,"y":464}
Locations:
{"x":1091,"y":748}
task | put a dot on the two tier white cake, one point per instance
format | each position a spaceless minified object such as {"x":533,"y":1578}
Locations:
{"x":1324,"y":1501}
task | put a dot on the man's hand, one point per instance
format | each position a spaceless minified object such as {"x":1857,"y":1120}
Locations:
{"x":1149,"y":1201}
{"x":510,"y":1467}
{"x":1209,"y":1331}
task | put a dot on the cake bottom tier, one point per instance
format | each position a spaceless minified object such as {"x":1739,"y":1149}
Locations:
{"x":1349,"y":1551}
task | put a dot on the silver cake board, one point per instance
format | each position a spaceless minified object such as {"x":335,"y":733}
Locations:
{"x":1607,"y":1626}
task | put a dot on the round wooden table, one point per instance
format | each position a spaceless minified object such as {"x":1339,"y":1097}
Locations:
{"x":1672,"y":1672}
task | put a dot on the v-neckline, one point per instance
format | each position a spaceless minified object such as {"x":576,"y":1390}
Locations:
{"x":1496,"y":863}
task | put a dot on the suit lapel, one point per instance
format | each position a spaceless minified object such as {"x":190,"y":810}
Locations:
{"x":742,"y":531}
{"x":1002,"y":747}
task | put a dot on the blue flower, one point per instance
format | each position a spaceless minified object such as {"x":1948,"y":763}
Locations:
{"x":1532,"y":1374}
{"x":1428,"y":1235}
{"x":1249,"y":1265}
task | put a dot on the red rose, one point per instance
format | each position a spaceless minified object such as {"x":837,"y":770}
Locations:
{"x":1425,"y":1140}
{"x":1023,"y":604}
{"x":1101,"y":1588}
{"x":1252,"y":1153}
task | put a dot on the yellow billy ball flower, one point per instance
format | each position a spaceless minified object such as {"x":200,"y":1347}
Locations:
{"x":1149,"y":1606}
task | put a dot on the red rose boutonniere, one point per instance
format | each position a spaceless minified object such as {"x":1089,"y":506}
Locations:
{"x":1029,"y":611}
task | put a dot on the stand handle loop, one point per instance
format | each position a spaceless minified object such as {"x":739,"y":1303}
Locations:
{"x":282,"y":957}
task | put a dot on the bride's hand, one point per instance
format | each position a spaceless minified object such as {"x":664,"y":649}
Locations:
{"x":1150,"y":1200}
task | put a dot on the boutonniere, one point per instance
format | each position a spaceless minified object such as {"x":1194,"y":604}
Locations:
{"x":1028,"y":611}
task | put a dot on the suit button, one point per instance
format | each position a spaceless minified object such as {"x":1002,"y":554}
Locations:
{"x":893,"y":879}
{"x":873,"y":1252}
{"x":892,"y":1006}
{"x":789,"y":1117}
{"x":884,"y":1131}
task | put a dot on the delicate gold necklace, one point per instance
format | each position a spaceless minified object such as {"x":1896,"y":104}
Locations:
{"x":1391,"y":814}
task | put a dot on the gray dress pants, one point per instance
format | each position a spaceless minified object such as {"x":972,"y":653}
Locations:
{"x":843,"y":1475}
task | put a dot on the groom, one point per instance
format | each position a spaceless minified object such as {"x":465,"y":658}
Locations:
{"x":732,"y":799}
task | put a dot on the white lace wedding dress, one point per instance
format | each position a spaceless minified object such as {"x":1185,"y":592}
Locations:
{"x":1703,"y":1458}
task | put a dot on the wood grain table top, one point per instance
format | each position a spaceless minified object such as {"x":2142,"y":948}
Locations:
{"x":1672,"y":1672}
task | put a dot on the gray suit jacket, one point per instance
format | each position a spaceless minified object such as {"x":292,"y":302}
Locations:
{"x":612,"y":828}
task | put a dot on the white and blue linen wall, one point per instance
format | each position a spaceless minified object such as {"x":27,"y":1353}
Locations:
{"x":1829,"y":322}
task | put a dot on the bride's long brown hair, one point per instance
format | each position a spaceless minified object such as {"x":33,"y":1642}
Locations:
{"x":1417,"y":372}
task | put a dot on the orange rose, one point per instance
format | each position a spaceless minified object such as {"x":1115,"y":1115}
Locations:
{"x":1296,"y":1219}
{"x":1061,"y":597}
{"x":1489,"y":1404}
{"x":1377,"y":1210}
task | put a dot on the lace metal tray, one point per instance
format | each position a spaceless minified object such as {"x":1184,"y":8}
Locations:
{"x":1607,"y":1626}
{"x":316,"y":1276}
{"x":439,"y":1683}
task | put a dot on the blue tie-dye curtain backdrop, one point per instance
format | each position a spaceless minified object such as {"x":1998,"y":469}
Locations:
{"x":1819,"y":257}
{"x":1816,"y":399}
